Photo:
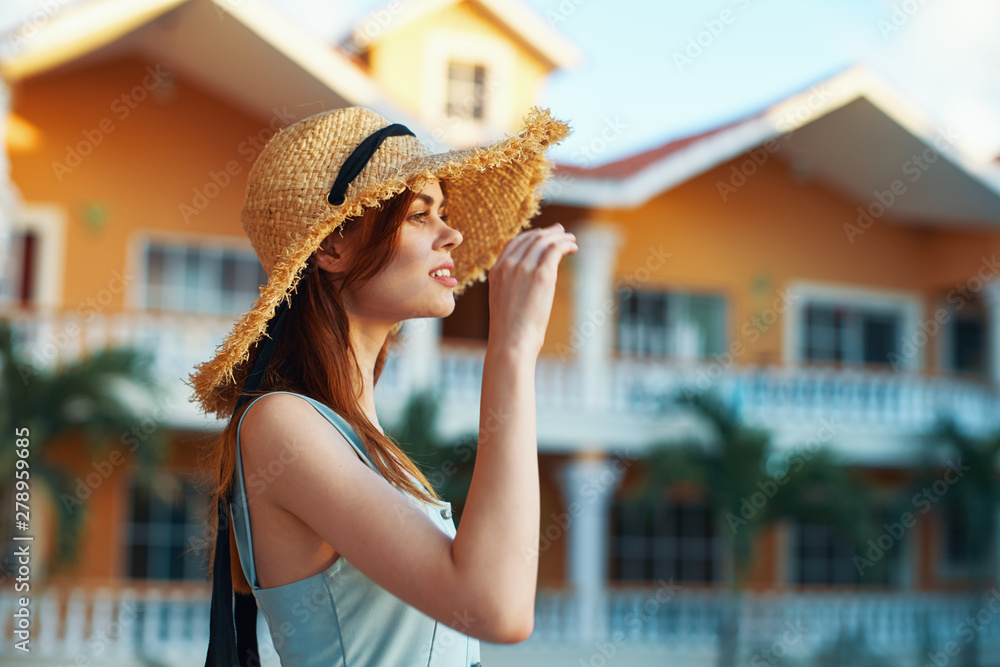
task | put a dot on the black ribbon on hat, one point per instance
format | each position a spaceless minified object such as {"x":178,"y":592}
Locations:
{"x":357,"y":160}
{"x":233,"y":626}
{"x":233,"y":634}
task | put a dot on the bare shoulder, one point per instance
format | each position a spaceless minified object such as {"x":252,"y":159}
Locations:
{"x":283,"y":426}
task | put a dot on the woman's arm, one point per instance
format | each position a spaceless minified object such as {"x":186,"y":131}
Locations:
{"x":496,"y":546}
{"x":482,"y":583}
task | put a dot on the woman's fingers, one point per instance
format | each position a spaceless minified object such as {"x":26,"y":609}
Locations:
{"x":523,"y":243}
{"x":549,"y":250}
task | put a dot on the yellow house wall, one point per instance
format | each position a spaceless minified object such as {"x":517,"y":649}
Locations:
{"x":770,"y":232}
{"x":397,"y":63}
{"x":157,"y":158}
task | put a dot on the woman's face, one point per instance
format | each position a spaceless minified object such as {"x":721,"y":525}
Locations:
{"x":405,"y":288}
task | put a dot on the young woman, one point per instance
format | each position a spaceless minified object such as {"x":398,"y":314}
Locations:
{"x":342,"y":543}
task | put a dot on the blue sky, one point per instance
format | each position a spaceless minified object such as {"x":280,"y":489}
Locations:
{"x":945,"y":56}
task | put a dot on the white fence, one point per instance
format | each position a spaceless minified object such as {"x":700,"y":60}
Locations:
{"x":170,"y":626}
{"x":639,"y":389}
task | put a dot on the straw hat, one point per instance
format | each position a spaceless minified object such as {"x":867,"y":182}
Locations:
{"x":314,"y":175}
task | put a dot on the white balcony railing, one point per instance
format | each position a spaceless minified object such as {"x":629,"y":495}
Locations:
{"x":636,"y":390}
{"x":170,"y":625}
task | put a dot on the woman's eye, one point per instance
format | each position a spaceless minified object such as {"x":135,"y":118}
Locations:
{"x":423,"y":214}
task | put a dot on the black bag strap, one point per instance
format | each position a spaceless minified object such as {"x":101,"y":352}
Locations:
{"x":233,"y":634}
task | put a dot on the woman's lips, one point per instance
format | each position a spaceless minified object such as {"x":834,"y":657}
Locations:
{"x":447,"y":281}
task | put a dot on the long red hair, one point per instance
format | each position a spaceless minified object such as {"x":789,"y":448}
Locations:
{"x":313,"y":356}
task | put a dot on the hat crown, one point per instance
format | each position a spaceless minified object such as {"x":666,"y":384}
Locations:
{"x":288,"y":184}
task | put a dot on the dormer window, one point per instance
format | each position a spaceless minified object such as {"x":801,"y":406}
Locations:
{"x":466,"y":90}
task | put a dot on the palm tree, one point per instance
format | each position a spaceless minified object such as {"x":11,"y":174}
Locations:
{"x":102,"y":397}
{"x":738,"y":465}
{"x":971,"y":496}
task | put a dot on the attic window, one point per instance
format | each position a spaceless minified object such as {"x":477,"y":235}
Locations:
{"x":466,"y":90}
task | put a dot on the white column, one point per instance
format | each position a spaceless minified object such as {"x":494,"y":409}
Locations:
{"x":594,"y":308}
{"x":991,"y":299}
{"x":588,"y":484}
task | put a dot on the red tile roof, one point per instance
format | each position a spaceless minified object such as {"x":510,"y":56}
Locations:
{"x":628,"y":166}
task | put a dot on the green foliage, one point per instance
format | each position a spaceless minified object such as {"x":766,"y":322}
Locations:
{"x":101,"y":397}
{"x":738,"y":466}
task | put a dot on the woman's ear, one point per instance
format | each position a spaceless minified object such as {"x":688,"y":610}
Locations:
{"x":327,"y":257}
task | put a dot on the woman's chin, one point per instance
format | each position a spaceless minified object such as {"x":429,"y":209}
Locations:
{"x":442,"y":308}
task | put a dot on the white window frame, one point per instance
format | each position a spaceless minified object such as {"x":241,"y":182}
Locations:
{"x":907,"y":304}
{"x":139,"y":243}
{"x":48,"y":223}
{"x":441,"y":46}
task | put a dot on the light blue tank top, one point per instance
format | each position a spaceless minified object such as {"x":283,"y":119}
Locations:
{"x":340,"y":617}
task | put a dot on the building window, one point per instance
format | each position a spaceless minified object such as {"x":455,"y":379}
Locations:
{"x":466,"y":91}
{"x":201,"y":278}
{"x":670,"y":324}
{"x":848,"y":334}
{"x":824,"y":558}
{"x":664,"y":540}
{"x":959,"y":539}
{"x":20,"y":253}
{"x":966,"y":349}
{"x":165,"y":523}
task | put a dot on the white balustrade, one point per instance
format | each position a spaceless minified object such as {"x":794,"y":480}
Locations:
{"x":116,"y":627}
{"x":634,"y":387}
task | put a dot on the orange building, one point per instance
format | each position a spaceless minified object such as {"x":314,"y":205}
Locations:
{"x":826,"y":265}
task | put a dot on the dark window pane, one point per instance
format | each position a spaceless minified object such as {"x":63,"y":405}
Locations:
{"x":139,"y":561}
{"x":968,"y":350}
{"x":140,"y":504}
{"x":880,"y":338}
{"x":956,"y":544}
